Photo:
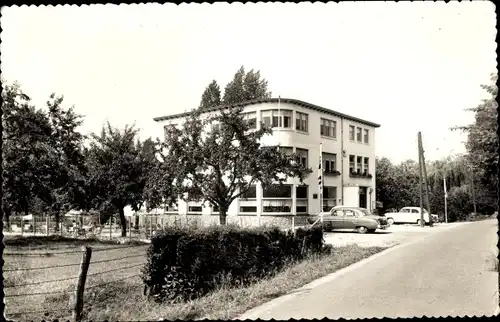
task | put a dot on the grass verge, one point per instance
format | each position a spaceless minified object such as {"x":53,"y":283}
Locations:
{"x":123,"y":301}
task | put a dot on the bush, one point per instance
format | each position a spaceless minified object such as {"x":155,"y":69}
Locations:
{"x":184,"y":264}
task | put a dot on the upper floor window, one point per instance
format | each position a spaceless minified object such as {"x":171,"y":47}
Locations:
{"x":251,"y":119}
{"x":351,"y":132}
{"x":351,"y":163}
{"x":302,"y":153}
{"x":366,"y":136}
{"x":277,"y":118}
{"x":301,"y":122}
{"x":328,"y":128}
{"x":358,"y":134}
{"x":330,"y":162}
{"x":359,"y":164}
{"x":366,"y":165}
{"x":166,"y":127}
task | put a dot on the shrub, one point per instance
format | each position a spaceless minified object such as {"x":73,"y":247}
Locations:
{"x":183,"y":264}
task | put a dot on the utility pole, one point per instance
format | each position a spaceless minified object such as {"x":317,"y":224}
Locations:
{"x":427,"y":203}
{"x":422,"y":223}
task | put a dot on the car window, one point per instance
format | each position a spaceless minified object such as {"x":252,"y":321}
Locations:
{"x":414,"y":211}
{"x":348,"y":213}
{"x":405,"y":210}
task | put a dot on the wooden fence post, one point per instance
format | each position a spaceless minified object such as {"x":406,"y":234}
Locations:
{"x":47,"y":223}
{"x":80,"y":286}
{"x":110,"y":226}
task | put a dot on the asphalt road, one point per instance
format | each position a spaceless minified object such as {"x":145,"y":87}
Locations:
{"x":446,"y":273}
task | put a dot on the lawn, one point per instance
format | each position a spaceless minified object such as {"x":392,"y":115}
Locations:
{"x":61,"y":257}
{"x":118,"y":294}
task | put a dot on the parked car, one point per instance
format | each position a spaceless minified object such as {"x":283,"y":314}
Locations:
{"x":342,"y":217}
{"x":409,"y":215}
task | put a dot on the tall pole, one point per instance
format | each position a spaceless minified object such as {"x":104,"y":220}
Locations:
{"x":320,"y":181}
{"x":426,"y":186}
{"x":445,"y":199}
{"x":421,"y":179}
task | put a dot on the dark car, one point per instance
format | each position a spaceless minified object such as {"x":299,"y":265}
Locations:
{"x":342,"y":217}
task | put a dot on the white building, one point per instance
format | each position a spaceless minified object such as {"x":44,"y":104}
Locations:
{"x":348,"y":161}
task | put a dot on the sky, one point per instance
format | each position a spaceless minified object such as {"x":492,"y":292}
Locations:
{"x":409,"y":66}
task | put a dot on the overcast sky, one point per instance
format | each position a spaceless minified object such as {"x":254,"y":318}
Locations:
{"x":410,"y":66}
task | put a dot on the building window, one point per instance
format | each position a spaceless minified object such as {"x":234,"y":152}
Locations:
{"x":301,"y":122}
{"x":286,"y":149}
{"x":247,"y":209}
{"x":351,"y":163}
{"x":215,"y":208}
{"x":351,"y":132}
{"x":266,"y":117}
{"x":329,"y":162}
{"x":358,"y":134}
{"x":251,"y":119}
{"x":329,"y":198}
{"x":302,"y":153}
{"x":278,"y":198}
{"x":359,"y":164}
{"x":366,"y":165}
{"x":366,"y":136}
{"x":277,"y":118}
{"x":301,"y":199}
{"x":166,"y":128}
{"x":277,"y":191}
{"x":328,"y":128}
{"x":251,"y":193}
{"x":194,"y":209}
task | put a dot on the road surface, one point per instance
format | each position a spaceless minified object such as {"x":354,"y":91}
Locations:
{"x":450,"y":272}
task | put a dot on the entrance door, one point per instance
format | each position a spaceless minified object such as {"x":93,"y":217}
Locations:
{"x":362,"y":197}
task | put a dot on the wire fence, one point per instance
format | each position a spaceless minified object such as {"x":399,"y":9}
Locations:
{"x":39,"y":296}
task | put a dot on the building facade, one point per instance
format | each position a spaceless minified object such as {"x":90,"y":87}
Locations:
{"x":348,"y":148}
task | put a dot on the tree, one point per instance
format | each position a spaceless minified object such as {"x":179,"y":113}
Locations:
{"x":69,"y":188}
{"x":116,"y":171}
{"x":29,"y":162}
{"x":482,"y":144}
{"x":218,"y":165}
{"x":244,"y":87}
{"x":211,"y":96}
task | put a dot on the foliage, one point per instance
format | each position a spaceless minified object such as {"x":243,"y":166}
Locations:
{"x":186,"y":264}
{"x":29,"y":164}
{"x":244,"y":87}
{"x":482,"y":146}
{"x":118,"y":167}
{"x":218,"y":165}
{"x":211,"y":96}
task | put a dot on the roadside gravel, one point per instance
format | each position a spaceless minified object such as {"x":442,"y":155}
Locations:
{"x":394,"y":235}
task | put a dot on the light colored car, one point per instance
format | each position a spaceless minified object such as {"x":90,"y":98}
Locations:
{"x":342,"y":217}
{"x":409,"y":215}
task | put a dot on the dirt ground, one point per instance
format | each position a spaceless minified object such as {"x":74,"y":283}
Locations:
{"x":394,"y":235}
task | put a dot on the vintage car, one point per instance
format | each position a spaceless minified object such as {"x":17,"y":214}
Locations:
{"x":342,"y":217}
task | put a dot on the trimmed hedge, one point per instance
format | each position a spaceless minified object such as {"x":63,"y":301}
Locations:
{"x":184,"y":264}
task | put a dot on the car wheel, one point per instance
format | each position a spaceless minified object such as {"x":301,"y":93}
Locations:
{"x":419,"y":222}
{"x":362,"y":230}
{"x":390,"y":221}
